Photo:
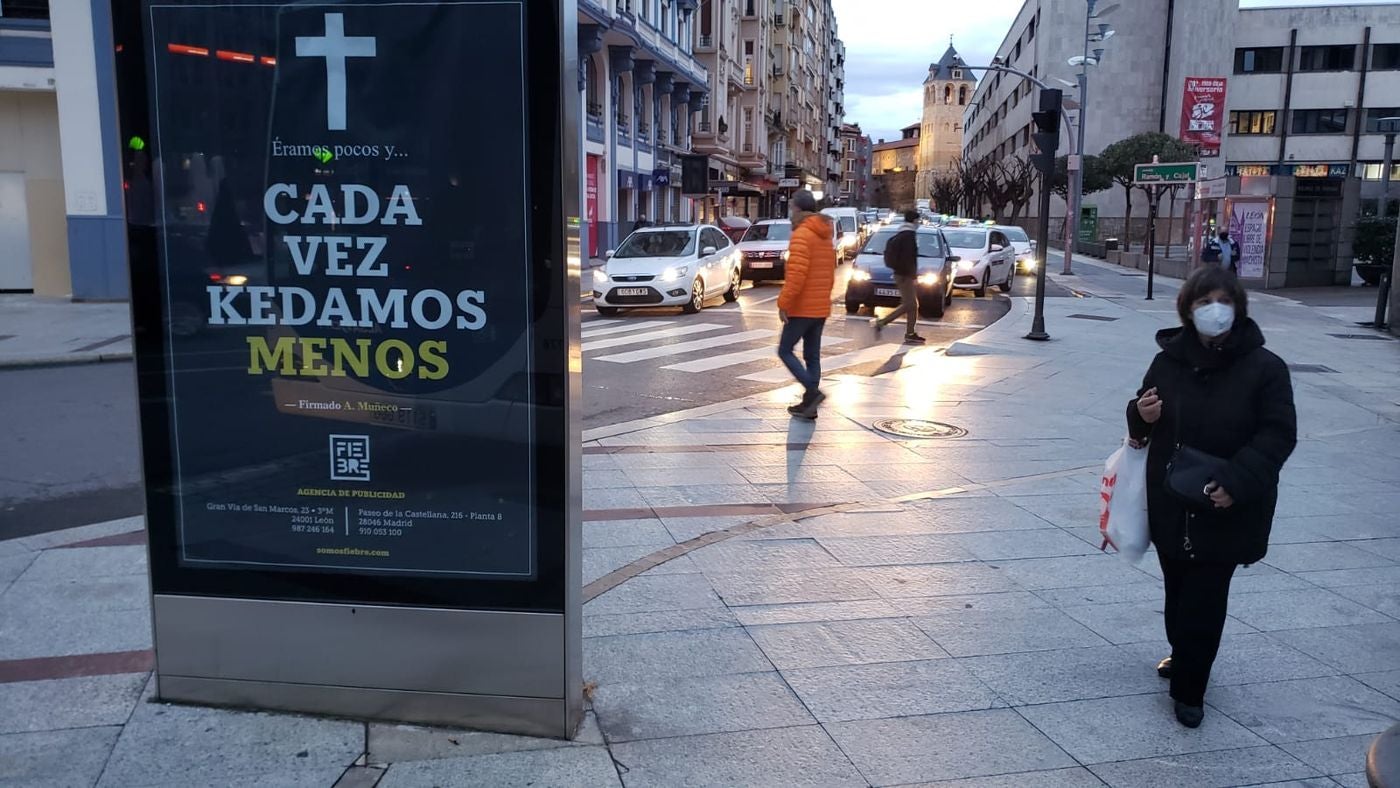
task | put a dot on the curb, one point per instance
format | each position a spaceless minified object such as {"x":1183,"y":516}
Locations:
{"x":70,"y":360}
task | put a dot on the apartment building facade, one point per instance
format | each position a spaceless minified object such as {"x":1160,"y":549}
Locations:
{"x":643,"y":85}
{"x":1306,"y":86}
{"x":855,"y":167}
{"x":61,"y":228}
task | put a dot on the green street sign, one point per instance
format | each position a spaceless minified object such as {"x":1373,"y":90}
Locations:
{"x":1089,"y":224}
{"x":1165,"y":174}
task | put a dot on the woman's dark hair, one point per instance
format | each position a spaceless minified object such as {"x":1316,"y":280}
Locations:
{"x":1206,"y":281}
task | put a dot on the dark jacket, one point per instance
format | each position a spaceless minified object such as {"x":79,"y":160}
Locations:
{"x":1233,"y":401}
{"x":902,"y":252}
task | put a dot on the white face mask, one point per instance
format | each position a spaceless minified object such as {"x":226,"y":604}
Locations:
{"x":1213,"y":319}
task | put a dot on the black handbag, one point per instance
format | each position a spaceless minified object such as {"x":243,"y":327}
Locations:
{"x":1190,"y":470}
{"x":1188,"y":473}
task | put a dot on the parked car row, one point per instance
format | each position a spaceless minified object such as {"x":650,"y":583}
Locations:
{"x":687,"y":265}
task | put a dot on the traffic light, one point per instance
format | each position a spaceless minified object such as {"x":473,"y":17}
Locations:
{"x":1047,"y":130}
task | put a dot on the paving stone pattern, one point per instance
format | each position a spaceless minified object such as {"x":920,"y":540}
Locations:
{"x":957,"y":626}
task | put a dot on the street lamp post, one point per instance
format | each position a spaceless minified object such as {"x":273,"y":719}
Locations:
{"x":1076,"y":162}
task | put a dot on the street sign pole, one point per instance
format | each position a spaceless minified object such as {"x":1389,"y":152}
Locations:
{"x":1153,"y":197}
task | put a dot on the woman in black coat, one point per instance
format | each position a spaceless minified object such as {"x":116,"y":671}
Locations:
{"x":1213,"y":388}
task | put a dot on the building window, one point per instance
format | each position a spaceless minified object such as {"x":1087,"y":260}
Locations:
{"x":1374,"y":115}
{"x":947,"y":94}
{"x":1372,"y":172}
{"x":1327,"y":58}
{"x":957,"y":73}
{"x":1319,"y":121}
{"x":595,"y":103}
{"x":1253,"y":121}
{"x":1259,"y":60}
{"x":750,"y":8}
{"x":1385,"y":57}
{"x":1030,"y":28}
{"x":1016,"y":53}
{"x":24,"y":9}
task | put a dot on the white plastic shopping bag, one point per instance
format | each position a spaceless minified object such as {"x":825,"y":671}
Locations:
{"x":1123,"y":503}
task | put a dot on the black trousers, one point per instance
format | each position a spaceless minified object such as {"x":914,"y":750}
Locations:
{"x":1198,"y":595}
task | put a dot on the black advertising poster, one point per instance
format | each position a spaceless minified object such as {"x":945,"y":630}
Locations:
{"x":343,"y":225}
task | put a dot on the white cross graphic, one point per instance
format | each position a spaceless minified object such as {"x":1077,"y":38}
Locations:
{"x":335,"y":47}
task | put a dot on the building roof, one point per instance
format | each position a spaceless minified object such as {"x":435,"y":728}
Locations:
{"x":942,"y":71}
{"x":912,"y":142}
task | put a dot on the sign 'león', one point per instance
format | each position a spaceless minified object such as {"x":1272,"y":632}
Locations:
{"x":353,"y":349}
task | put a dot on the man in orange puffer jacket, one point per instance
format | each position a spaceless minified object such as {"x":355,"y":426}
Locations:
{"x":805,"y":302}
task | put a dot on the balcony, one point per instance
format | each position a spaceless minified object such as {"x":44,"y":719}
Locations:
{"x":707,"y":43}
{"x":704,"y":127}
{"x":594,"y":123}
{"x":624,"y":133}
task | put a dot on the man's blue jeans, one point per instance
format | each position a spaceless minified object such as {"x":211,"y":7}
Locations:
{"x":809,"y":330}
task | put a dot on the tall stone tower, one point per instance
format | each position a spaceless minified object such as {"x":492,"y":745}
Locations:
{"x":947,"y":90}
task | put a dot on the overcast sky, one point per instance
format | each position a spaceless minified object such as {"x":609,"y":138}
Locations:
{"x":890,"y":43}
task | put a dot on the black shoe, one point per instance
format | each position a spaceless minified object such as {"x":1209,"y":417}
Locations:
{"x":808,"y":412}
{"x":1164,"y":668}
{"x":816,"y":398}
{"x":1190,"y":716}
{"x":913,"y":339}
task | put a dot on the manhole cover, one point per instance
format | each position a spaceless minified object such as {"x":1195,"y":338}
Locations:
{"x":918,"y":428}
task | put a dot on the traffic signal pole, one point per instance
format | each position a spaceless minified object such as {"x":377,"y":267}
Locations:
{"x":1047,"y":141}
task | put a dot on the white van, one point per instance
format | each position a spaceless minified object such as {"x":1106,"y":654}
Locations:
{"x":848,"y":231}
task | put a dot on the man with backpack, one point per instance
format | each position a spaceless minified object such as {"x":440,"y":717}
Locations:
{"x":902,"y":258}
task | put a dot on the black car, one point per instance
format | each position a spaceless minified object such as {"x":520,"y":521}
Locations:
{"x":872,"y":284}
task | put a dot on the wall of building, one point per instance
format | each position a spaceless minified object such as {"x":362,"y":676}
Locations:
{"x":894,"y":190}
{"x":29,"y":129}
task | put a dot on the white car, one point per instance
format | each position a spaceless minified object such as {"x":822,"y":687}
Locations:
{"x":986,"y":258}
{"x":1024,"y":246}
{"x":764,"y":249}
{"x":848,"y":231}
{"x":681,"y":265}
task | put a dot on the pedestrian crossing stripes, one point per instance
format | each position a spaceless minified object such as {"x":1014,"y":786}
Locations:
{"x":589,"y":331}
{"x":687,"y":347}
{"x":743,"y":356}
{"x":647,"y":336}
{"x":681,"y":346}
{"x":830,"y":364}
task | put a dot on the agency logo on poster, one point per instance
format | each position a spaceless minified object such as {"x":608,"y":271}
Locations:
{"x":350,"y":458}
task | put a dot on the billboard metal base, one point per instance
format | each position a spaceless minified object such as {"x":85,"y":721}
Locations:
{"x":470,"y":669}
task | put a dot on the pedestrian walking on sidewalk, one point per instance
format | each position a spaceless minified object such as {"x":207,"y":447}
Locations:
{"x":805,"y":301}
{"x":902,"y":258}
{"x":1216,"y":412}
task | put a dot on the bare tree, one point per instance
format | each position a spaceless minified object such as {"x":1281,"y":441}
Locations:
{"x":946,"y":192}
{"x":1018,"y":180}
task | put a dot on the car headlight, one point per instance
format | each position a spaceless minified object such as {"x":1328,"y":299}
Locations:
{"x":966,"y":265}
{"x":236,"y":280}
{"x":672,"y":274}
{"x":860,"y":275}
{"x":599,"y":275}
{"x":1030,"y":263}
{"x":929,"y":278}
{"x":785,"y":255}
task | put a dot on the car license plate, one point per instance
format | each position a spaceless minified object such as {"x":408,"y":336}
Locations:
{"x":632,"y":291}
{"x":887,"y":291}
{"x":760,"y":264}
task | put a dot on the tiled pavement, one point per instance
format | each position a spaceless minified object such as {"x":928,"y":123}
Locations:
{"x":840,"y":607}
